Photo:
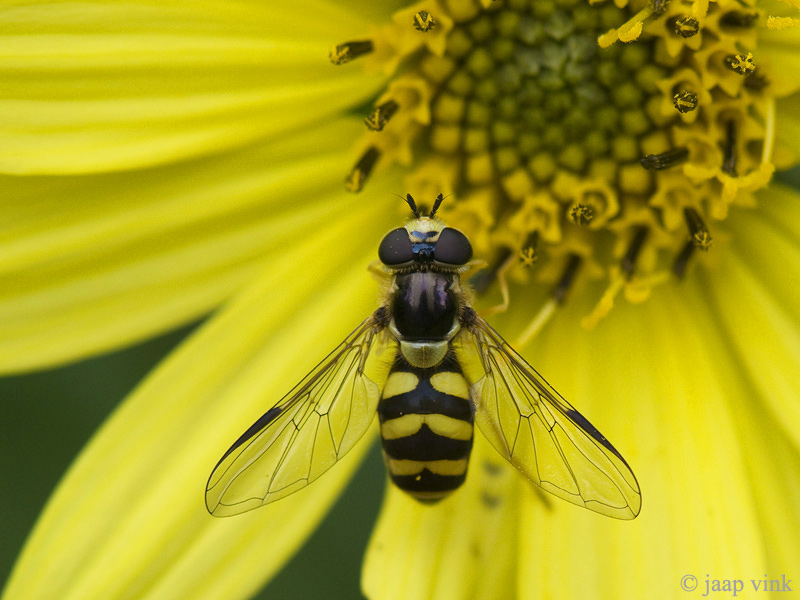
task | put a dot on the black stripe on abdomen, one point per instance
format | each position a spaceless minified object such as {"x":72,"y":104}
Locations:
{"x":427,"y":445}
{"x":427,"y":423}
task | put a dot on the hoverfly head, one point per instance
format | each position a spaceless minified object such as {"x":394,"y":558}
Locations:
{"x":425,"y":242}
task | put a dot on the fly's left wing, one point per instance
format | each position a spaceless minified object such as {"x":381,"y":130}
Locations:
{"x":540,"y":433}
{"x":307,"y":431}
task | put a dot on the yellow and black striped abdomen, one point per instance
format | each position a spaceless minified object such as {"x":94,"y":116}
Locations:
{"x":426,"y":427}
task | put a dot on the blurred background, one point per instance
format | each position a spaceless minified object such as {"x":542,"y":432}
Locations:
{"x":62,"y":408}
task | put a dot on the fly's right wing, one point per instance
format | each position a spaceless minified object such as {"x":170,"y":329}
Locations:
{"x":309,"y":430}
{"x":531,"y":425}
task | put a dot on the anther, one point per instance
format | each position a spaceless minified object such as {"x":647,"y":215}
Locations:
{"x":685,"y":101}
{"x":423,"y":21}
{"x":344,"y":53}
{"x":735,"y":18}
{"x":567,"y":278}
{"x":687,"y":27}
{"x":679,"y":266}
{"x":361,"y":170}
{"x":659,"y":7}
{"x":581,"y":214}
{"x":380,"y":115}
{"x":528,"y":254}
{"x":698,"y":232}
{"x":740,"y":63}
{"x":665,"y":160}
{"x":729,"y":164}
{"x":628,"y":264}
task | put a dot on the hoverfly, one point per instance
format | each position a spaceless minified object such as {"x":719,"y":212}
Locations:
{"x":431,"y":368}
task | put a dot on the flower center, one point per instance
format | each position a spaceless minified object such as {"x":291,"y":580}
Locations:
{"x":593,"y":135}
{"x":532,"y":97}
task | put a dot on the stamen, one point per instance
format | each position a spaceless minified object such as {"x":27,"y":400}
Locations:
{"x":740,"y":63}
{"x":528,"y":254}
{"x":581,"y":214}
{"x":679,"y":267}
{"x":729,"y":164}
{"x":344,"y":53}
{"x":685,"y":101}
{"x":380,"y":115}
{"x":699,"y":235}
{"x":629,"y":31}
{"x":665,"y":160}
{"x":606,"y":302}
{"x":559,"y":292}
{"x":483,"y":279}
{"x":659,"y":7}
{"x":738,"y":19}
{"x":423,"y":21}
{"x":361,"y":170}
{"x":687,"y":27}
{"x":628,"y":264}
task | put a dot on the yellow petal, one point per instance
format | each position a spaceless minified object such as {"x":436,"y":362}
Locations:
{"x":129,"y":520}
{"x":650,"y":379}
{"x":789,"y":131}
{"x":781,"y":51}
{"x":461,"y":547}
{"x":375,"y":12}
{"x":105,"y":86}
{"x":92,"y":263}
{"x":754,"y":296}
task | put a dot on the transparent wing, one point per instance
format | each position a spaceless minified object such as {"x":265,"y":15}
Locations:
{"x":539,"y":432}
{"x":310,"y":429}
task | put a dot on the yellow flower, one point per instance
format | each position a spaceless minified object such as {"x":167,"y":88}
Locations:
{"x":162,"y":160}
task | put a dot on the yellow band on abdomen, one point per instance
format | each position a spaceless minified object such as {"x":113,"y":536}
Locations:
{"x":438,"y":467}
{"x":442,"y":425}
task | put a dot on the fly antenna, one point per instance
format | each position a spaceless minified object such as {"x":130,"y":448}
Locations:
{"x":436,"y":205}
{"x":413,"y":205}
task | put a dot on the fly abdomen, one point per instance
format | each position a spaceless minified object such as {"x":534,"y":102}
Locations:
{"x":426,"y":428}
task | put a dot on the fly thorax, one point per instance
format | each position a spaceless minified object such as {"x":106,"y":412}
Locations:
{"x":425,"y":305}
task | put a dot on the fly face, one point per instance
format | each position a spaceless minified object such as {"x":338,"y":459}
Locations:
{"x":425,"y":243}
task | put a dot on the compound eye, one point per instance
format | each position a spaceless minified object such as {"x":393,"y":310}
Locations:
{"x":395,"y":248}
{"x":452,"y":248}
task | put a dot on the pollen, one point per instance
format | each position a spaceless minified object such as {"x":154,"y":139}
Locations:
{"x":564,"y":124}
{"x":741,"y":63}
{"x":581,"y":214}
{"x":685,"y":101}
{"x":687,"y":27}
{"x":423,"y":21}
{"x":380,"y":115}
